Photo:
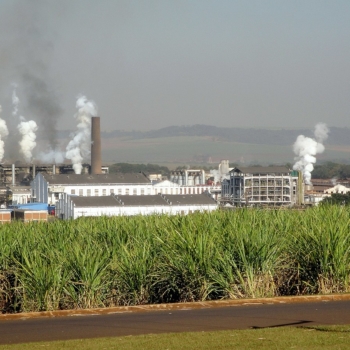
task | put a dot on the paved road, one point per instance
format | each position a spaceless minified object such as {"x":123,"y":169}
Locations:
{"x":202,"y":319}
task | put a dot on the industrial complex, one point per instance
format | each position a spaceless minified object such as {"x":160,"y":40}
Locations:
{"x":63,"y":191}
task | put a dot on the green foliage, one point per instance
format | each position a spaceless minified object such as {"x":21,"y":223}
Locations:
{"x":331,"y":170}
{"x":337,"y":199}
{"x":107,"y":261}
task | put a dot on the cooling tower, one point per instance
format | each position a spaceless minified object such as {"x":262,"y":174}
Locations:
{"x":96,"y":162}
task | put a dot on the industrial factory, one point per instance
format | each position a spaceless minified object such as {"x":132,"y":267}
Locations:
{"x":80,"y":188}
{"x":273,"y":186}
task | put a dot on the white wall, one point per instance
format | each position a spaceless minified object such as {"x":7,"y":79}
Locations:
{"x":21,"y":198}
{"x":141,"y":210}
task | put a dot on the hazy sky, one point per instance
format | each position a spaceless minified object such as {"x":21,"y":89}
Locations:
{"x":149,"y":64}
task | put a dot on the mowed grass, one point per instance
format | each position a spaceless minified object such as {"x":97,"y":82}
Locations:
{"x":321,"y":337}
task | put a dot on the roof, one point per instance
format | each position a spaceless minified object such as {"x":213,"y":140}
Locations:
{"x":338,"y":189}
{"x":190,"y":199}
{"x":166,"y":183}
{"x":319,"y":188}
{"x":262,"y":170}
{"x":98,"y":201}
{"x":81,"y":179}
{"x":147,"y":200}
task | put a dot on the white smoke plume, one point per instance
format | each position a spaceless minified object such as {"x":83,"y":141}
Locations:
{"x":221,"y":173}
{"x":51,"y":156}
{"x":79,"y":147}
{"x":26,"y":128}
{"x":3,"y":133}
{"x":15,"y":102}
{"x":306,"y":149}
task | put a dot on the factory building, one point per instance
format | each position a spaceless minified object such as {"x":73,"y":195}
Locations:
{"x":21,"y":174}
{"x":273,"y":186}
{"x":73,"y":207}
{"x":46,"y":188}
{"x":188,"y":177}
{"x":169,"y":187}
{"x":339,"y":188}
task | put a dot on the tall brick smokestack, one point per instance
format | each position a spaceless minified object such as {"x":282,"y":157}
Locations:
{"x":96,"y":162}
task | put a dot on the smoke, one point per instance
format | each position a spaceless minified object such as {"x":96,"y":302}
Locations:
{"x":26,"y":129}
{"x":15,"y":102}
{"x":222,"y":172}
{"x":334,"y":180}
{"x":51,"y":156}
{"x":79,"y":147}
{"x":26,"y":54}
{"x":3,"y":133}
{"x":216,"y":175}
{"x":306,"y":149}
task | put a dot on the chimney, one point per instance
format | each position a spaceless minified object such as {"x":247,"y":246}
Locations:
{"x":13,"y":174}
{"x":95,"y":146}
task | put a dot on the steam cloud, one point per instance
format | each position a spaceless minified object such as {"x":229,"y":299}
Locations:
{"x":79,"y":147}
{"x":306,"y":149}
{"x":26,"y":128}
{"x":51,"y":156}
{"x":27,"y":52}
{"x":3,"y":133}
{"x":221,"y":173}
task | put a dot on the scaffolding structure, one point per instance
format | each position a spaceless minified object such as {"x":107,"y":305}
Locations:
{"x":250,"y":186}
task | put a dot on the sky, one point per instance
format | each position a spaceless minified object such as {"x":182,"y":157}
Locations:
{"x":150,"y":64}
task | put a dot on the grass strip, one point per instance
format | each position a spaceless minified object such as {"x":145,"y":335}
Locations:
{"x":324,"y":337}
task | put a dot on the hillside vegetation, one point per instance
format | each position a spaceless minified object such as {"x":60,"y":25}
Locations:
{"x":107,"y":261}
{"x":328,"y":170}
{"x":337,"y":136}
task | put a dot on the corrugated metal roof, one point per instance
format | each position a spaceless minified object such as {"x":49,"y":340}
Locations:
{"x":118,"y":178}
{"x":98,"y":201}
{"x":190,"y":199}
{"x":142,"y":200}
{"x":262,"y":170}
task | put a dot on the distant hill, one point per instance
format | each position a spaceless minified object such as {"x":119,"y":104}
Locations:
{"x":337,"y":136}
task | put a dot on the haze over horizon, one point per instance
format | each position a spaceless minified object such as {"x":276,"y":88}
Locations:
{"x":153,"y":64}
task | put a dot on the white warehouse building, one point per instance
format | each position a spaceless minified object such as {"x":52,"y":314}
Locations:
{"x":47,"y":188}
{"x":73,"y":207}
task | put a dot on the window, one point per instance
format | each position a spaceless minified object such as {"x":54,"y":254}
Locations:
{"x":81,"y":192}
{"x":104,"y":192}
{"x":134,"y":192}
{"x":88,"y":192}
{"x":96,"y":192}
{"x":72,"y":191}
{"x":142,"y":191}
{"x":111,"y":191}
{"x":119,"y":191}
{"x":126,"y":191}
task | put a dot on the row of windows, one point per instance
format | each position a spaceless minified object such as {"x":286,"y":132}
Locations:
{"x":105,"y":192}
